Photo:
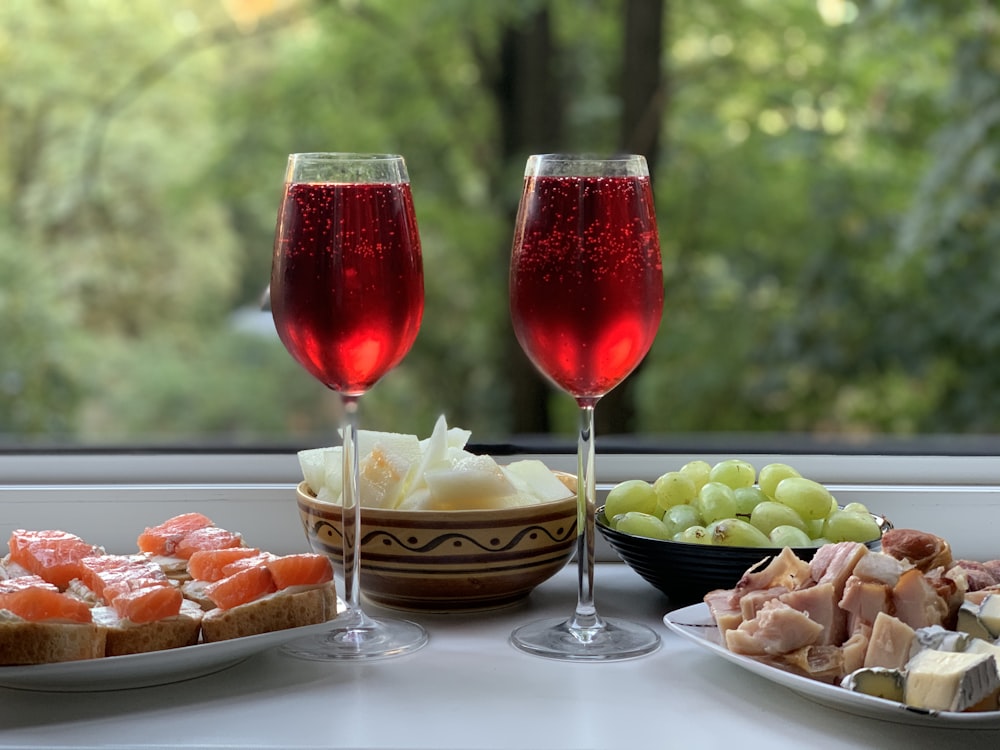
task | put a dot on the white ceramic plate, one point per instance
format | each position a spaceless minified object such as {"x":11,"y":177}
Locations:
{"x":144,"y":670}
{"x":695,"y":623}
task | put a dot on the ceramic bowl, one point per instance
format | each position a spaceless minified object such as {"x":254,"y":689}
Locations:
{"x":449,"y":561}
{"x":684,"y":571}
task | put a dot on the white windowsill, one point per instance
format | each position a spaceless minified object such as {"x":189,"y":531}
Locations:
{"x":110,"y":498}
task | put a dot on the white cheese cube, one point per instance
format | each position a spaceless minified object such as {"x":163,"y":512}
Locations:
{"x":949,"y":681}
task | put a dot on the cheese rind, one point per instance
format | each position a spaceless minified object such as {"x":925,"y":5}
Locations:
{"x":939,"y":639}
{"x":989,"y":614}
{"x":970,"y":622}
{"x":878,"y":682}
{"x":949,"y":681}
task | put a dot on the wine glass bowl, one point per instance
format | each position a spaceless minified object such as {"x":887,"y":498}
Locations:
{"x":347,"y":298}
{"x":586,"y":298}
{"x":347,"y":290}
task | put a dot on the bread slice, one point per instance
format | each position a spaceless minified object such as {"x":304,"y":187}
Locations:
{"x":124,"y":637}
{"x":23,"y":642}
{"x":289,"y":608}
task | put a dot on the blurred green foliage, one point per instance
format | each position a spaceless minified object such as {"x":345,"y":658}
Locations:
{"x":827,"y":195}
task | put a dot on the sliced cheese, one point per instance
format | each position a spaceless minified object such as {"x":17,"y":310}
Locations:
{"x":949,"y":681}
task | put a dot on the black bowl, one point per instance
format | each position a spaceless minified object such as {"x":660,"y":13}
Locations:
{"x":685,"y":571}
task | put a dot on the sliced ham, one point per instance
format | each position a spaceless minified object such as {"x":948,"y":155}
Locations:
{"x":925,"y":551}
{"x":845,"y":609}
{"x":855,"y":648}
{"x":819,"y":604}
{"x":916,"y":602}
{"x":880,"y":568}
{"x":784,"y":569}
{"x":777,"y":629}
{"x":752,"y":602}
{"x":863,"y":601}
{"x":977,"y":575}
{"x":725,"y":610}
{"x":835,"y":563}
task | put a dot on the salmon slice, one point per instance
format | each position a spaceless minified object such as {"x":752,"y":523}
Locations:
{"x":19,"y":583}
{"x":300,"y":570}
{"x":213,"y":564}
{"x":105,"y":575}
{"x":256,"y":561}
{"x":163,"y":539}
{"x":207,"y":537}
{"x":39,"y":600}
{"x":241,"y":587}
{"x":148,"y":603}
{"x":53,"y":555}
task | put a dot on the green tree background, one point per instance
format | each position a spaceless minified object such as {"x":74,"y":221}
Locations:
{"x":827,"y":190}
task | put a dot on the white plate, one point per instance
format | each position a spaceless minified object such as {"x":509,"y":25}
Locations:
{"x":697,"y":625}
{"x":144,"y":670}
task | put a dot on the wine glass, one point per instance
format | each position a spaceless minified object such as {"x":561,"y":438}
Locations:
{"x":347,"y":296}
{"x":586,"y":296}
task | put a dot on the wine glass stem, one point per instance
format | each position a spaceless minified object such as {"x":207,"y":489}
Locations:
{"x":351,"y":509}
{"x":585,"y":616}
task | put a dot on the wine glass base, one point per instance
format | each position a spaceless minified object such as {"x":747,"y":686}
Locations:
{"x":559,"y":638}
{"x":371,"y":639}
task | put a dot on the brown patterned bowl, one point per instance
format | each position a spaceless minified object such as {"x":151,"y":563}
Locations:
{"x":449,"y":561}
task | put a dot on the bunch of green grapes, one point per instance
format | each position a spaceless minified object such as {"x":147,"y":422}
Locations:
{"x":731,"y":504}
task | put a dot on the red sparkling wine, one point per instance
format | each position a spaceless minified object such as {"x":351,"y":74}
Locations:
{"x":347,"y":284}
{"x":586,"y":279}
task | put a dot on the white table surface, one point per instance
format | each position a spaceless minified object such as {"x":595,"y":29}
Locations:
{"x":470,"y":689}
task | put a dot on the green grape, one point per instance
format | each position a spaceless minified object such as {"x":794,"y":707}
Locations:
{"x":747,"y":498}
{"x":641,"y":524}
{"x":693,"y":535}
{"x":772,"y":474}
{"x":715,"y":501}
{"x":735,"y":532}
{"x":789,"y":536}
{"x":809,"y":499}
{"x":814,"y":528}
{"x":857,"y":508}
{"x":674,"y":488}
{"x":698,"y":472}
{"x":770,"y":514}
{"x":733,"y":472}
{"x":848,"y":526}
{"x":681,"y":517}
{"x":630,"y":495}
{"x":818,"y":541}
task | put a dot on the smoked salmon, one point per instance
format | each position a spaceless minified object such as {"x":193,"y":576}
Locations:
{"x":213,"y":564}
{"x":53,"y":555}
{"x":136,"y":589}
{"x":164,"y":538}
{"x":207,"y":537}
{"x":34,"y":599}
{"x":247,"y":579}
{"x":299,"y":570}
{"x":243,"y":586}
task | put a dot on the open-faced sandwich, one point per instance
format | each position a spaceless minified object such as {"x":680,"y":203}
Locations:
{"x":64,"y":599}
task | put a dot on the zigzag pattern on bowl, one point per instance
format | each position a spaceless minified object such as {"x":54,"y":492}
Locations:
{"x":324,"y":530}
